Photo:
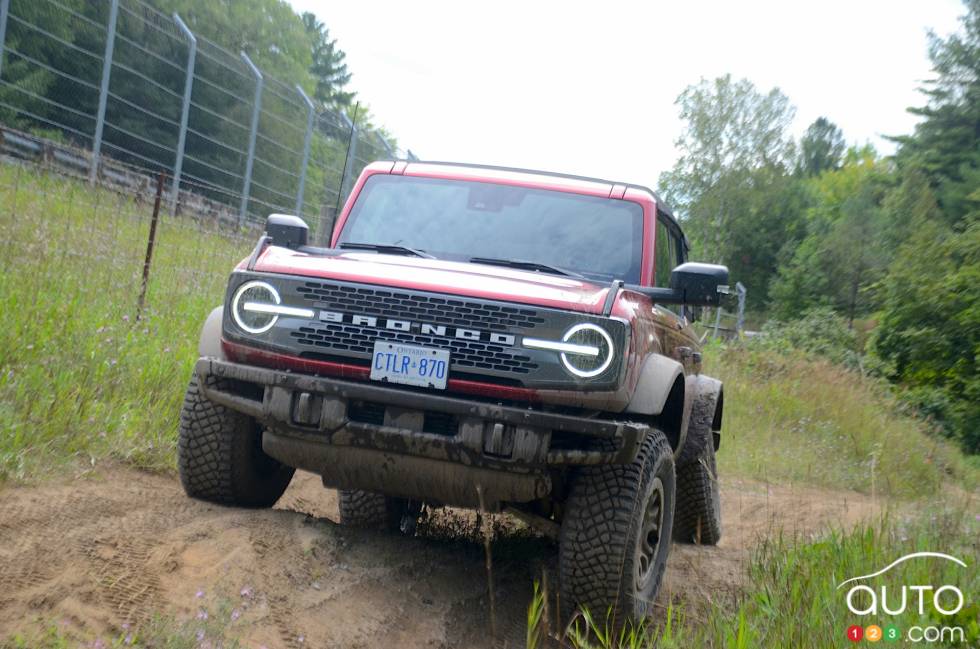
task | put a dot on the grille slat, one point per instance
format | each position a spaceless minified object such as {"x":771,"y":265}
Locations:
{"x":431,"y":309}
{"x":435,"y":310}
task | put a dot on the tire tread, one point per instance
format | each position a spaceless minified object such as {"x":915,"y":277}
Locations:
{"x":213,"y":463}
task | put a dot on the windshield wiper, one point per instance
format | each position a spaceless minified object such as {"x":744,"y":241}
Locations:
{"x":390,"y":249}
{"x":527,"y":265}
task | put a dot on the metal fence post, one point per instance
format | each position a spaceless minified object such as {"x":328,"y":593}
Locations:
{"x":110,"y":43}
{"x":411,"y":156}
{"x":4,"y":10}
{"x":185,"y":110}
{"x":310,"y":114}
{"x":256,"y":109}
{"x":740,"y":321}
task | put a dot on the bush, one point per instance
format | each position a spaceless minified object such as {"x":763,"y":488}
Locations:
{"x":929,"y":328}
{"x":819,"y":332}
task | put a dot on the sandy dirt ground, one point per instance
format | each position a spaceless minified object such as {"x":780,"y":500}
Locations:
{"x":119,"y":547}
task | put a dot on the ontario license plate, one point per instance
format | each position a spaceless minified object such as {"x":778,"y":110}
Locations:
{"x":410,"y":365}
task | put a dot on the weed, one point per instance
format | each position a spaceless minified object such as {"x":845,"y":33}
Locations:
{"x":80,"y":378}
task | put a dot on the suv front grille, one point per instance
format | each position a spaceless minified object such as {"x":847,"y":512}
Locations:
{"x":485,"y":338}
{"x":465,"y":353}
{"x":430,"y":308}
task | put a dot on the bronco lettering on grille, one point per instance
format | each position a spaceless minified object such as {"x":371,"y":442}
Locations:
{"x":420,"y":327}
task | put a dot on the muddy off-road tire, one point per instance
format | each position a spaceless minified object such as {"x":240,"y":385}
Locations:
{"x":616,"y":534}
{"x":369,"y":510}
{"x":698,"y":515}
{"x":220,"y":457}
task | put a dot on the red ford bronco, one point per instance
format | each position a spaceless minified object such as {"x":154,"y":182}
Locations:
{"x":474,"y":337}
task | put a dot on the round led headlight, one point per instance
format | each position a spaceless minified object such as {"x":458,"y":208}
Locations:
{"x":595,"y":353}
{"x":251,"y":307}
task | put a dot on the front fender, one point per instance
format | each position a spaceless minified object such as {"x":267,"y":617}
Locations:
{"x":705,"y":421}
{"x":657,"y":377}
{"x":209,"y":344}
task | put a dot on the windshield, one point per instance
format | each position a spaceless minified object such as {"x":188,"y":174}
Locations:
{"x":599,"y":238}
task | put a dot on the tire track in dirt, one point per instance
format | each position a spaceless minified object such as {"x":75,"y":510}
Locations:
{"x":119,"y":547}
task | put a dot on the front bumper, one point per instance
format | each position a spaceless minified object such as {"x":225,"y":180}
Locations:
{"x":328,"y":425}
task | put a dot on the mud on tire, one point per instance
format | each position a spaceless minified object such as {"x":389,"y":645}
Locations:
{"x":698,"y":515}
{"x":370,"y":510}
{"x":605,"y":554}
{"x":220,"y":457}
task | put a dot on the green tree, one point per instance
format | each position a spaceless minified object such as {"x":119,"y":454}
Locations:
{"x":929,"y":324}
{"x":946,"y":142}
{"x":328,"y":67}
{"x":821,"y":148}
{"x":844,"y":252}
{"x":729,"y":184}
{"x":929,"y":331}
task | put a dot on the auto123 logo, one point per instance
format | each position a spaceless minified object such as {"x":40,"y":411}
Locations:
{"x":870,"y":596}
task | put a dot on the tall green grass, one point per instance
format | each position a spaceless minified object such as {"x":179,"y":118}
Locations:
{"x":791,"y":596}
{"x":80,"y":378}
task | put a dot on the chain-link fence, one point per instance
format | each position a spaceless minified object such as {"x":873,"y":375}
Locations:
{"x":116,"y":91}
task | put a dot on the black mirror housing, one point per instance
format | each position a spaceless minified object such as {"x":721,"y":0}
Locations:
{"x":287,"y":230}
{"x":700,"y":284}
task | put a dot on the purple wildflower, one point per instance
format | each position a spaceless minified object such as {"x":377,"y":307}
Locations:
{"x":202,"y":614}
{"x":246,"y":592}
{"x":235,"y":614}
{"x":199,"y":594}
{"x":200,"y":635}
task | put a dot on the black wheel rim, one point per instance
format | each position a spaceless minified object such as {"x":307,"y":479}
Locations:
{"x":648,"y":543}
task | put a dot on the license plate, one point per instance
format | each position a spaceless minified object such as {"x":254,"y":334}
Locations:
{"x":410,"y":365}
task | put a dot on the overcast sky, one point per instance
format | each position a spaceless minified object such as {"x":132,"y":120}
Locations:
{"x":589,"y":88}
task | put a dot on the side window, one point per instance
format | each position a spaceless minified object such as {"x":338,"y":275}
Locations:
{"x":667,"y":247}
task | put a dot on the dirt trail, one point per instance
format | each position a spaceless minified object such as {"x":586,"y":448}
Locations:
{"x":99,"y":552}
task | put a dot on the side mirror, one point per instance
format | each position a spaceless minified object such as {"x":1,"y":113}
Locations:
{"x":700,"y":284}
{"x":287,"y":230}
{"x":693,"y":284}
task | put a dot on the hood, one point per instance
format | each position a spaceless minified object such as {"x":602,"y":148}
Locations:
{"x":439,"y":276}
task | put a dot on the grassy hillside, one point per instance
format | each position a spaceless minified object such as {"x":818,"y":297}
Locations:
{"x":790,"y":418}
